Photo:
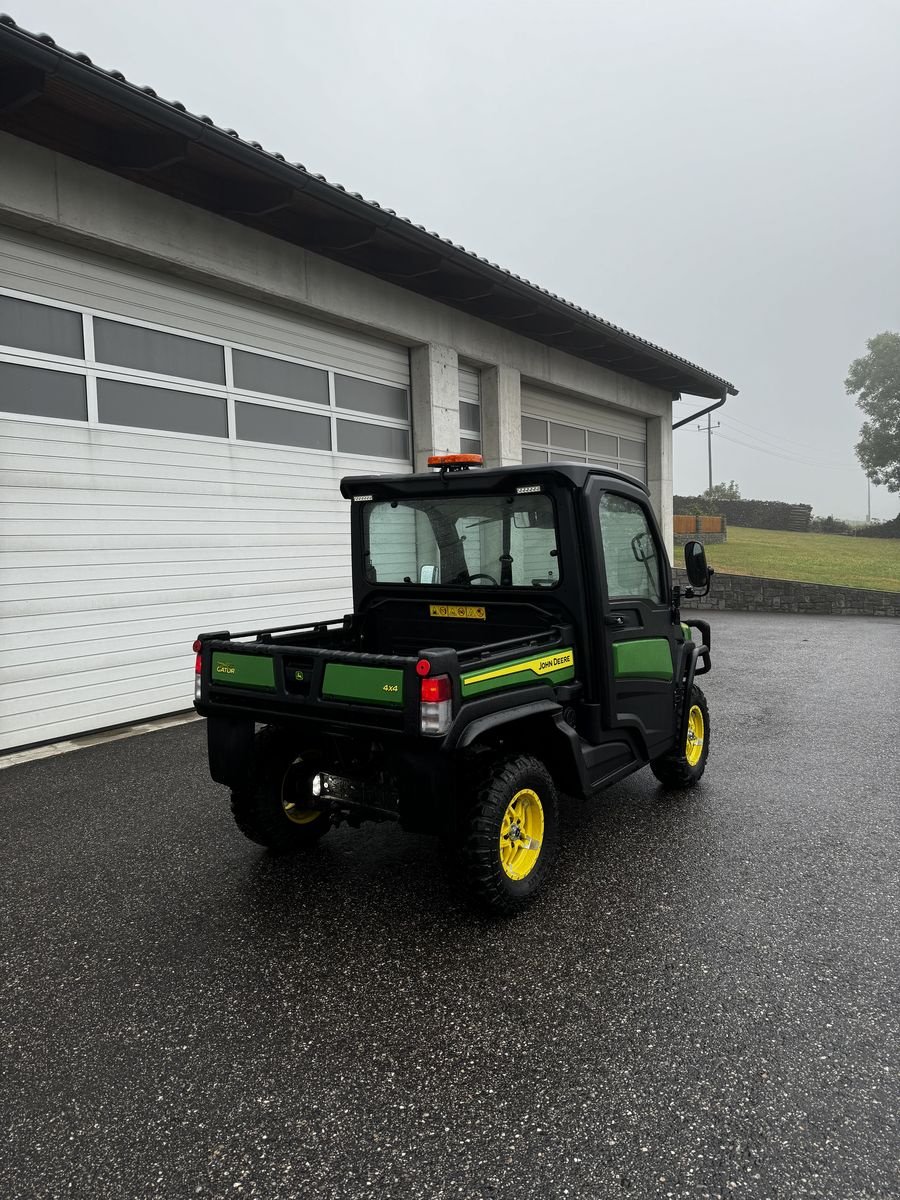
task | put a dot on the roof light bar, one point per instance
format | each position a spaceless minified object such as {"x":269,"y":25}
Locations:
{"x":455,"y":462}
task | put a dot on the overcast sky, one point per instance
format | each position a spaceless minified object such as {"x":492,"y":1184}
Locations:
{"x":720,"y":176}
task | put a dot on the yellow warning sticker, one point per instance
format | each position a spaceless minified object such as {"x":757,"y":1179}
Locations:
{"x":463,"y":612}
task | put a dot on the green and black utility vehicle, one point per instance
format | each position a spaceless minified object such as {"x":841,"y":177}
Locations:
{"x":515,"y":634}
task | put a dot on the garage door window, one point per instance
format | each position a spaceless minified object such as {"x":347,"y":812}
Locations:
{"x":135,"y":375}
{"x":544,"y":440}
{"x":366,"y":397}
{"x":143,"y":407}
{"x":284,"y":426}
{"x":469,"y":409}
{"x":38,"y":393}
{"x":353,"y":437}
{"x":278,"y":377}
{"x":159,"y":353}
{"x":28,"y":326}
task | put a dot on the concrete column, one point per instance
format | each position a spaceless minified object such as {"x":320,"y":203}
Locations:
{"x":434,"y":378}
{"x":501,"y":416}
{"x":659,"y":474}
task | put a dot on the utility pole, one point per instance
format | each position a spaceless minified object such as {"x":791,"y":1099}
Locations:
{"x":868,"y":501}
{"x":709,"y":432}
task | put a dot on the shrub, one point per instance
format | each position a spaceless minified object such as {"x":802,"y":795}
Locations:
{"x":831,"y":524}
{"x":882,"y":529}
{"x":754,"y":514}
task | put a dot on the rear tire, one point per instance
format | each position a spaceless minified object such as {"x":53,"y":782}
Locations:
{"x":276,"y":808}
{"x":683,"y":766}
{"x":511,"y":837}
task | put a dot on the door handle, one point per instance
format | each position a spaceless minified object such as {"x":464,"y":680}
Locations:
{"x":615,"y":622}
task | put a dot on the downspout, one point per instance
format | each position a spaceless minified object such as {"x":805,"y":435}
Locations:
{"x":702,"y":412}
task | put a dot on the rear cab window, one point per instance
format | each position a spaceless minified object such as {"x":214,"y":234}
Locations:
{"x":482,"y":541}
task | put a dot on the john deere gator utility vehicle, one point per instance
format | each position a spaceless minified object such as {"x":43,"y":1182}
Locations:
{"x":515,"y":636}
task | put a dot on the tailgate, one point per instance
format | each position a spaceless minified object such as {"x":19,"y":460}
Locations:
{"x":268,"y":680}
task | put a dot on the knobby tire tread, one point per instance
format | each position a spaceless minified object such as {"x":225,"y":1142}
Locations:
{"x":494,"y":782}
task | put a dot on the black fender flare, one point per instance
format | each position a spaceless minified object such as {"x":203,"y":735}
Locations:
{"x":566,"y":748}
{"x":490,"y":721}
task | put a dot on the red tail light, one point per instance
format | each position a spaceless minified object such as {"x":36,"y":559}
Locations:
{"x":436,"y":689}
{"x":197,"y":665}
{"x":436,"y":708}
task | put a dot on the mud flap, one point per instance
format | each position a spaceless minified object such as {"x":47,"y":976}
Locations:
{"x":230,"y":749}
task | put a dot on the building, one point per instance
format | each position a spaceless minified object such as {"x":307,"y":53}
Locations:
{"x":197,"y":340}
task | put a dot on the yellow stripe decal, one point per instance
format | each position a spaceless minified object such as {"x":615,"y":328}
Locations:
{"x":539,"y":666}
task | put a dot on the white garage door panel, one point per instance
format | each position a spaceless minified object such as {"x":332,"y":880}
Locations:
{"x":70,"y":719}
{"x":537,"y":402}
{"x":119,"y":545}
{"x":109,"y":582}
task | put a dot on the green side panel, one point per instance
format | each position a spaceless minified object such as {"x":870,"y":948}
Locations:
{"x":243,"y":670}
{"x":371,"y":685}
{"x":644,"y":658}
{"x":686,"y":630}
{"x":530,"y":670}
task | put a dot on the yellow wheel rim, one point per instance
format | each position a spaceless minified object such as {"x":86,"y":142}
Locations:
{"x":291,"y":809}
{"x":521,"y":834}
{"x":693,"y":750}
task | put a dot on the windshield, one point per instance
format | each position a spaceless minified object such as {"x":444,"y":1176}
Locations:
{"x":481,"y":541}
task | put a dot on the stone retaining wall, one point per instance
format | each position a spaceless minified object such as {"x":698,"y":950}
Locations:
{"x":751,"y":594}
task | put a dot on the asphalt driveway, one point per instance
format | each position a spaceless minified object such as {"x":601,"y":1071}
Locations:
{"x":702,"y":1006}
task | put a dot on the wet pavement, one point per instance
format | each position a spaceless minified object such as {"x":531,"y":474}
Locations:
{"x":702,"y":1005}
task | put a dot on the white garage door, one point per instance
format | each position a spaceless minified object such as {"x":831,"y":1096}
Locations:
{"x":169,"y":463}
{"x":560,"y":428}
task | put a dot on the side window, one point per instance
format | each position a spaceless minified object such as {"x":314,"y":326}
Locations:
{"x":629,"y":551}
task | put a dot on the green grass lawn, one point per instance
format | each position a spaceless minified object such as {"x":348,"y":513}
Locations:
{"x":810,"y":557}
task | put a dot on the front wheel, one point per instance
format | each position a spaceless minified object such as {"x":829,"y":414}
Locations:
{"x":277,"y":809}
{"x":683,"y":766}
{"x":512,"y":834}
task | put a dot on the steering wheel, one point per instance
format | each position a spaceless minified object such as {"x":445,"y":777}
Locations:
{"x":477,"y":575}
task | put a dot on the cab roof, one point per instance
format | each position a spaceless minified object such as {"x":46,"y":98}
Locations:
{"x":571,"y":475}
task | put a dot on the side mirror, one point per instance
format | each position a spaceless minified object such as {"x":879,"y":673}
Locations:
{"x":695,"y":564}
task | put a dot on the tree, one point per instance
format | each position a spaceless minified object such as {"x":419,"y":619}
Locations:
{"x":723,"y":491}
{"x":875,"y":381}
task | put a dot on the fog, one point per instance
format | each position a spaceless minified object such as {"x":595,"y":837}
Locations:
{"x":721,"y":178}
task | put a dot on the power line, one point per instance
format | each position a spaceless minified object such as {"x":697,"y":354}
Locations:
{"x":805,"y":462}
{"x":788,"y":451}
{"x":778,"y":450}
{"x":810,"y":457}
{"x":777,"y":438}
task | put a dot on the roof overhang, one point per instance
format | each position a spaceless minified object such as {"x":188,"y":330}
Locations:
{"x":60,"y":100}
